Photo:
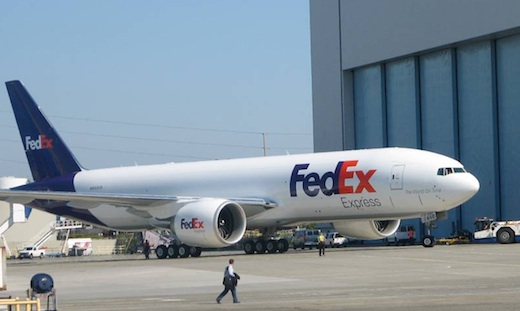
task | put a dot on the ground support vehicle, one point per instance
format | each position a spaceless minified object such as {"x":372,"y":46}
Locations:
{"x":303,"y":238}
{"x":31,"y":252}
{"x":402,"y":236}
{"x":504,"y":232}
{"x":454,"y":240}
{"x":334,"y":239}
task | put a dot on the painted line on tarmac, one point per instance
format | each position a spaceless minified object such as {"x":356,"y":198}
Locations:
{"x":448,"y":261}
{"x":164,"y":299}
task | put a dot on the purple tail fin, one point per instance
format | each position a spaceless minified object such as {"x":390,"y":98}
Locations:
{"x":46,"y":152}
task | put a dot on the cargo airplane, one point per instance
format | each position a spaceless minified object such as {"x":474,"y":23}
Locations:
{"x":364,"y":193}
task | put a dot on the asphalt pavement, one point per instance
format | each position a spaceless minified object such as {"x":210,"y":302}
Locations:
{"x":455,"y":277}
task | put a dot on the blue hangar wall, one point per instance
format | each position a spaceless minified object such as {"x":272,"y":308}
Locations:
{"x":437,"y":75}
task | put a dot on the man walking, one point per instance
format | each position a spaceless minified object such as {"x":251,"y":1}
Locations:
{"x":230,"y":282}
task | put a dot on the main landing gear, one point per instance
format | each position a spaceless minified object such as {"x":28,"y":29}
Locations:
{"x":174,"y":251}
{"x":261,"y":246}
{"x":266,"y":243}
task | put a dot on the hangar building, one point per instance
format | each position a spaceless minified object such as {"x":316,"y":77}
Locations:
{"x":438,"y":75}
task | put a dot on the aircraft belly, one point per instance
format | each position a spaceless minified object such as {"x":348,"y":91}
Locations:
{"x":324,"y":208}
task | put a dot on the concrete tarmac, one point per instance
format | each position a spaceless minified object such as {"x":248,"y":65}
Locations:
{"x":455,"y":277}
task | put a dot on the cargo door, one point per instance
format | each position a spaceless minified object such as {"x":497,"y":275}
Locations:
{"x":396,"y":180}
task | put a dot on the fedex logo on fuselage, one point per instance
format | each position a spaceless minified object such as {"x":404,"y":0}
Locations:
{"x":42,"y":142}
{"x":337,"y":182}
{"x":194,"y":223}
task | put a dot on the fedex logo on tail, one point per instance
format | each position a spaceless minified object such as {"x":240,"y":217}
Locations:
{"x":42,"y":142}
{"x":337,"y":182}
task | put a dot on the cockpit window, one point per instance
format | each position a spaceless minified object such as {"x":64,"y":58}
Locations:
{"x":443,"y":171}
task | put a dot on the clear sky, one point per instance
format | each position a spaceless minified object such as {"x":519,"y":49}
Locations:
{"x":141,"y":82}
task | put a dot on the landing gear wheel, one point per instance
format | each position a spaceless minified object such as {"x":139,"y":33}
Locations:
{"x":184,"y":251}
{"x":172,"y":251}
{"x":260,"y":247}
{"x":505,"y":236}
{"x":271,"y":246}
{"x":195,"y":251}
{"x":282,"y":245}
{"x":428,"y":241}
{"x":249,"y":247}
{"x":161,"y":252}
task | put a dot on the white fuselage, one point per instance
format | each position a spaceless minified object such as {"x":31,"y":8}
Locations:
{"x":388,"y":183}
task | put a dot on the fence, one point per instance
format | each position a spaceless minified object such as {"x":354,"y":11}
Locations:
{"x":27,"y":304}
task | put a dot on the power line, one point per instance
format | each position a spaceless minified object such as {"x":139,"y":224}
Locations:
{"x":162,"y":140}
{"x":172,"y":126}
{"x":141,"y":153}
{"x":14,"y":161}
{"x":179,"y":127}
{"x":179,"y":141}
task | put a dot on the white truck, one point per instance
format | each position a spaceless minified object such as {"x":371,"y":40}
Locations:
{"x":504,"y":231}
{"x":31,"y":252}
{"x":334,"y":239}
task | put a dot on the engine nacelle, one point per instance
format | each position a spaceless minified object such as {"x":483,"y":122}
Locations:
{"x":367,"y":229}
{"x":210,"y":223}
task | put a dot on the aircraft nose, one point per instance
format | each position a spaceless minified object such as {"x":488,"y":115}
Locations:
{"x":472,"y":185}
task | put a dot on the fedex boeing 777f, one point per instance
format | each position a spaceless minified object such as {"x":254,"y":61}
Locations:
{"x":364,"y":193}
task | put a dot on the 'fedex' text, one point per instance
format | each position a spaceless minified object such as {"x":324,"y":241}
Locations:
{"x":312,"y":182}
{"x":194,"y":223}
{"x":42,"y":142}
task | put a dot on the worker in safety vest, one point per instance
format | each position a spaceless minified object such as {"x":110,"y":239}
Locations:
{"x":321,"y":243}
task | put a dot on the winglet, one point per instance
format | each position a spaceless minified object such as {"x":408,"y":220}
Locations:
{"x":46,"y":152}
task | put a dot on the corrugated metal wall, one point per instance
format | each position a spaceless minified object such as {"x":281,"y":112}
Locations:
{"x":463,"y":102}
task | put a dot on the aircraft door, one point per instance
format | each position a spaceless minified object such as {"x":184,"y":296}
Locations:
{"x":396,"y":180}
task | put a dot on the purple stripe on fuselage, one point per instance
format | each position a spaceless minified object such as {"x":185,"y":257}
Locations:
{"x":60,"y":183}
{"x":63,"y":183}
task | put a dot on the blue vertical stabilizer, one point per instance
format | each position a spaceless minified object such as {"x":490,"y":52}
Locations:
{"x":46,"y":152}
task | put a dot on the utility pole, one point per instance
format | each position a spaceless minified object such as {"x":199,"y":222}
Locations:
{"x":264,"y":138}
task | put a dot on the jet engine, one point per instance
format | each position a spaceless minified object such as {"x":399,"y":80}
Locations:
{"x":210,"y":223}
{"x":367,"y":229}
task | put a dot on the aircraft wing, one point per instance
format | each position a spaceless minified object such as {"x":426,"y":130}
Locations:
{"x":251,"y":206}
